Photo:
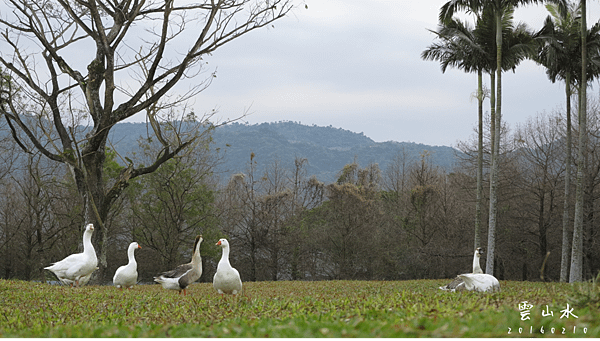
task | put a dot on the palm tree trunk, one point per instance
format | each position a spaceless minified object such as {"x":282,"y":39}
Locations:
{"x":478,"y":204}
{"x":492,"y":113}
{"x":564,"y":261}
{"x":576,"y":274}
{"x":491,"y":247}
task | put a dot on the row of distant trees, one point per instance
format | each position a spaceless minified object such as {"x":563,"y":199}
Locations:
{"x":411,"y":220}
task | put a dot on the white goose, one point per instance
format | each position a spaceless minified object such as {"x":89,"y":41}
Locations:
{"x":126,"y":275}
{"x":458,"y":283}
{"x":480,"y":282}
{"x":185,"y":274}
{"x":77,"y":268}
{"x":227,"y":279}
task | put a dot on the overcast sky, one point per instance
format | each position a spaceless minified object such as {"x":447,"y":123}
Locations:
{"x":356,"y":65}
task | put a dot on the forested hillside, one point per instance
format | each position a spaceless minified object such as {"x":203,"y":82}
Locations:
{"x":327,"y":149}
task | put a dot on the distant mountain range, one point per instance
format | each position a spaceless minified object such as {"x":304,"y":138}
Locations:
{"x":327,"y":149}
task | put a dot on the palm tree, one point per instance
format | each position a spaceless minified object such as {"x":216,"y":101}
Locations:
{"x":559,"y":52}
{"x":576,"y":274}
{"x":474,"y":50}
{"x":589,"y":70}
{"x":460,"y":47}
{"x":498,"y":7}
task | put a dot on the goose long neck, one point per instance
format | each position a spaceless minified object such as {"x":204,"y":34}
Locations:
{"x":196,"y":256}
{"x":131,"y":255}
{"x":87,"y":242}
{"x":476,"y":266}
{"x":225,"y":256}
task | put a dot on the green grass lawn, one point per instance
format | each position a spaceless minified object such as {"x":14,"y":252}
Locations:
{"x":296,"y":309}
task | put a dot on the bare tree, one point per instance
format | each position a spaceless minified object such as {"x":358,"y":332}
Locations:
{"x":350,"y":218}
{"x":308,"y":194}
{"x":106,"y":61}
{"x":275,"y":209}
{"x":424,"y":201}
{"x":240,"y":217}
{"x":34,"y":217}
{"x":542,"y":168}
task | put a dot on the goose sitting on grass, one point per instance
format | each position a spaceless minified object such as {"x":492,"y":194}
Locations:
{"x":185,"y":274}
{"x":76,"y":269}
{"x":458,"y":283}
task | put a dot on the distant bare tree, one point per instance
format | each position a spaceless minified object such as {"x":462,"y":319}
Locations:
{"x":34,"y":216}
{"x":239,"y":215}
{"x":425,"y":182}
{"x":542,"y":168}
{"x":275,"y":210}
{"x":350,"y":218}
{"x":308,"y":194}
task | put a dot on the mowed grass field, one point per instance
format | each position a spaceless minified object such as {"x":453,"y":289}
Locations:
{"x":297,"y":309}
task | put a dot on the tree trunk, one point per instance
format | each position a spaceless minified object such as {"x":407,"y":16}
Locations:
{"x":491,"y":247}
{"x":588,"y":255}
{"x":576,"y":273}
{"x":253,"y":261}
{"x":274,"y":260}
{"x":542,"y":229}
{"x":294,"y":264}
{"x":96,"y":205}
{"x":564,"y":260}
{"x":479,"y":189}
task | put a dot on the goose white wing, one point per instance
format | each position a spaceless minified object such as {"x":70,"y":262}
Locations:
{"x":125,"y":276}
{"x":82,"y":281}
{"x":480,"y":282}
{"x":75,"y":267}
{"x":69,"y":264}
